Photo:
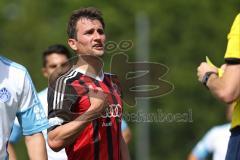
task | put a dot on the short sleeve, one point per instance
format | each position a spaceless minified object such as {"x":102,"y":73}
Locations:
{"x":232,"y":55}
{"x":63,"y":94}
{"x":30,"y":113}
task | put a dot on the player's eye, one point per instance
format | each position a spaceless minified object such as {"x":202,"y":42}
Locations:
{"x":100,"y":31}
{"x":53,"y":66}
{"x":91,"y":31}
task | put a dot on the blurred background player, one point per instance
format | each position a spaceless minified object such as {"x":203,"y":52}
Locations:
{"x":214,"y":142}
{"x":18,"y":98}
{"x":54,"y":56}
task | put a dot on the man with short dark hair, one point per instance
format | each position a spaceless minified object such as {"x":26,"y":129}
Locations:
{"x":53,"y":57}
{"x":57,"y":49}
{"x":85,"y":107}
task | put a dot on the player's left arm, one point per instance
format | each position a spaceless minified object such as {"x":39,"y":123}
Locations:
{"x":124,"y":149}
{"x":36,"y":146}
{"x":227,"y":88}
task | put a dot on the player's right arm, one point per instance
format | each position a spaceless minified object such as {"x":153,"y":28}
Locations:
{"x":65,"y":125}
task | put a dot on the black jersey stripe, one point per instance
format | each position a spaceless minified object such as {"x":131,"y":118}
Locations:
{"x":96,"y":139}
{"x":109,"y":132}
{"x":95,"y":132}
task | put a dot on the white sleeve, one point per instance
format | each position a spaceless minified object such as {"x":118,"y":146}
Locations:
{"x":30,"y":113}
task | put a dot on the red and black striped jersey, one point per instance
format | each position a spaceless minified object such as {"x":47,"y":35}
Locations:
{"x":68,"y":99}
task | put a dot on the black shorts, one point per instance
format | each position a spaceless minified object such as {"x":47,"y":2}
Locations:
{"x":233,"y":151}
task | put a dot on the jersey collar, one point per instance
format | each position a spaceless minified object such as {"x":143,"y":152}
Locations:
{"x":99,"y":77}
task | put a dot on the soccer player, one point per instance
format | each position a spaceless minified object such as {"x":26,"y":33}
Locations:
{"x":214,"y":142}
{"x":54,"y":56}
{"x":18,"y":98}
{"x":85,"y":107}
{"x":227,"y":87}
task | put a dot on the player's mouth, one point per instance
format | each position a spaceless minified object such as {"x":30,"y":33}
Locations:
{"x":98,"y":46}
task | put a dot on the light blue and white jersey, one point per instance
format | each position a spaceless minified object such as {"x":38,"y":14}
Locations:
{"x":18,"y":98}
{"x":215,"y":141}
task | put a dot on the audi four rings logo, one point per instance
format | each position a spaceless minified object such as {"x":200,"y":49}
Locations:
{"x":114,"y":110}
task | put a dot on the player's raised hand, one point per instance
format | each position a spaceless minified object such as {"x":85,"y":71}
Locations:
{"x":98,"y":99}
{"x":203,"y":69}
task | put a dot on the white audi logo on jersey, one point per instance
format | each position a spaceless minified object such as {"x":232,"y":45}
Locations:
{"x":114,"y":110}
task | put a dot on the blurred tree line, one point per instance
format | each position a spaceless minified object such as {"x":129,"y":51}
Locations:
{"x":182,"y":33}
